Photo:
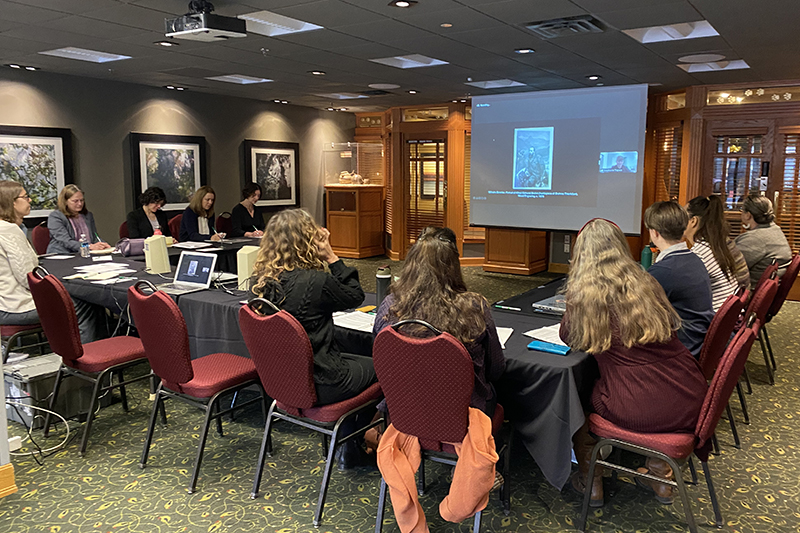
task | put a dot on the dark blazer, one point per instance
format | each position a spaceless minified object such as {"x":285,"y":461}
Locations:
{"x":242,"y":221}
{"x":189,"y":227}
{"x":139,"y":226}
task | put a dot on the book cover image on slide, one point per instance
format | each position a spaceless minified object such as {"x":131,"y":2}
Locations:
{"x":533,"y":158}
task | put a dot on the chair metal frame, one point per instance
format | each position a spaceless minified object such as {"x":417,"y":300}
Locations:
{"x":41,"y":340}
{"x":764,"y":339}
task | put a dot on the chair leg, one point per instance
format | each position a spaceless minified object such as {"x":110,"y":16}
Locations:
{"x":262,"y":454}
{"x":163,"y":413}
{"x":715,"y":444}
{"x":326,"y":476}
{"x":53,"y":397}
{"x":587,"y":494}
{"x":476,"y":523}
{"x":421,"y":478}
{"x":736,"y":441}
{"x":324,"y":439}
{"x":713,"y":494}
{"x":693,"y":471}
{"x":87,"y":427}
{"x":747,"y":381}
{"x":687,"y":504}
{"x":505,"y":491}
{"x":122,"y":394}
{"x":767,"y":362}
{"x":769,"y":347}
{"x":157,"y":405}
{"x":381,"y":507}
{"x":743,"y":403}
{"x":219,"y":418}
{"x":211,"y":409}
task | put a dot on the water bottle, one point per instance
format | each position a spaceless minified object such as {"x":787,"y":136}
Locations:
{"x":382,"y":280}
{"x":84,"y":246}
{"x":647,"y":257}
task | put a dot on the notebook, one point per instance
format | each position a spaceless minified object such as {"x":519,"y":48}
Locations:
{"x":194,"y":273}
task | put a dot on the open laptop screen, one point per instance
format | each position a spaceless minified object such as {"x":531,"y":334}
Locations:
{"x":195,"y":268}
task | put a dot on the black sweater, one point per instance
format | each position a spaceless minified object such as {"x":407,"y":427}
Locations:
{"x":242,"y":222}
{"x":139,"y":226}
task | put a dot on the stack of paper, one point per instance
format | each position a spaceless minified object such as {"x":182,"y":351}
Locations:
{"x":504,"y":334}
{"x":546,"y":334}
{"x":354,"y":320}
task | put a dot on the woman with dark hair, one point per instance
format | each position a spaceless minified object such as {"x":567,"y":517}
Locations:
{"x":197,"y":223}
{"x":764,"y":241}
{"x":143,"y":222}
{"x":707,"y":232}
{"x":245,"y":218}
{"x":70,"y":221}
{"x":431,"y":288}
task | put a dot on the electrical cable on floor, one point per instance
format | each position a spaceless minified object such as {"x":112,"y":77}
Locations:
{"x":43,"y":453}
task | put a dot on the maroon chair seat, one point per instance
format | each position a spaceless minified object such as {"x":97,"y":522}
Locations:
{"x":676,"y":447}
{"x":40,"y":237}
{"x":13,"y":333}
{"x":96,"y":361}
{"x":224,"y":223}
{"x":428,"y":384}
{"x":284,"y":359}
{"x":200,"y":382}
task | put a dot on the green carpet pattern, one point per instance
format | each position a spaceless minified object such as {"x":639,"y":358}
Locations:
{"x":758,"y":486}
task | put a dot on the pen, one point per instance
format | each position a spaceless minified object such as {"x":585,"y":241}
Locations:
{"x":508,"y":308}
{"x":98,"y":237}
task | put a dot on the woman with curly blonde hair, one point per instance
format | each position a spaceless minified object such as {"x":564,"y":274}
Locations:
{"x":290,"y":272}
{"x":618,"y":313}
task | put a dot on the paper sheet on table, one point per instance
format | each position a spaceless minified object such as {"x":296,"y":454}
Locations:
{"x":504,"y":334}
{"x":354,"y":320}
{"x":102,"y":267}
{"x":546,"y":334}
{"x":191,"y":245}
{"x":57,"y":256}
{"x":112,"y":281}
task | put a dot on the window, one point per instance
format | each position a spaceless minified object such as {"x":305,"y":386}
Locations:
{"x":789,"y":196}
{"x":669,"y":141}
{"x":737,"y":169}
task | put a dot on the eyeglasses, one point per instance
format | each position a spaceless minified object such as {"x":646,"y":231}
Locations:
{"x":24,"y":197}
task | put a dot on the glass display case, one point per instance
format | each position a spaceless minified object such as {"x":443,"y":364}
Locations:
{"x":352,"y":163}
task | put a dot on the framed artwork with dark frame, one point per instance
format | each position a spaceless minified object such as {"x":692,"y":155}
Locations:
{"x":176,"y":163}
{"x":40,"y":159}
{"x":274,"y":166}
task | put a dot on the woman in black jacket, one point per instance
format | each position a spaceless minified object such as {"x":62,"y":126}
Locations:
{"x":143,"y":222}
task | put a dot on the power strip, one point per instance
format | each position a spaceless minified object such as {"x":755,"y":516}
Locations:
{"x":14,"y":443}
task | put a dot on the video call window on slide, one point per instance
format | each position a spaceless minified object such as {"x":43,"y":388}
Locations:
{"x":195,"y":269}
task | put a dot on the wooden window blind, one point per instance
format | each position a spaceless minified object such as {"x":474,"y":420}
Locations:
{"x":789,"y":198}
{"x":426,"y":171}
{"x":470,"y":234}
{"x":669,"y":141}
{"x":388,"y":181}
{"x":737,"y":168}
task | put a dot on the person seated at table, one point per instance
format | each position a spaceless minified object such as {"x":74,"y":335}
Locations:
{"x":649,"y":382}
{"x":197,"y":223}
{"x":707,"y":234}
{"x":70,"y":221}
{"x":681,"y":273}
{"x":17,"y":257}
{"x":764,"y":241}
{"x":245,"y":218}
{"x":143,"y":222}
{"x":431,"y":288}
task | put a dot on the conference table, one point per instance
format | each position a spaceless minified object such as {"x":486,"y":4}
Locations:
{"x":543,"y":394}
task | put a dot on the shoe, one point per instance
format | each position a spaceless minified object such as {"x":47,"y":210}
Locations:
{"x":662,"y":492}
{"x":352,"y":455}
{"x":578,"y":485}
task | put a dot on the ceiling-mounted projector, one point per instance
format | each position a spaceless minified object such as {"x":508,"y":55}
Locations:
{"x":201,"y":25}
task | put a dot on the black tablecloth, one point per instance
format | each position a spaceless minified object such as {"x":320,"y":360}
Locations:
{"x":226,"y":253}
{"x":540,"y":392}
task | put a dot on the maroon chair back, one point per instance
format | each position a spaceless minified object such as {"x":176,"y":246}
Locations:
{"x":719,"y":392}
{"x":784,"y":286}
{"x":56,"y":314}
{"x":769,"y":273}
{"x":40,"y":236}
{"x":163,"y":332}
{"x":427,"y":383}
{"x":719,"y":333}
{"x":123,"y":230}
{"x":175,"y":226}
{"x":282,"y":353}
{"x":224,"y":223}
{"x":763,"y":297}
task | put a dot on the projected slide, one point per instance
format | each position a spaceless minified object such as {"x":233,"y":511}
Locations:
{"x":556,"y":159}
{"x":533,"y":158}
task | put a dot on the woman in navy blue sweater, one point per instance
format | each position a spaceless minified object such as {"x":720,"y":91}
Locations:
{"x":197,"y":223}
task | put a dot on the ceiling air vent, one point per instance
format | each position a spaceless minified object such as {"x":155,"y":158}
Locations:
{"x":375,"y":92}
{"x":548,"y":29}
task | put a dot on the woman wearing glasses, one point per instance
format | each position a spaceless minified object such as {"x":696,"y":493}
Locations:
{"x":70,"y":221}
{"x":17,"y":257}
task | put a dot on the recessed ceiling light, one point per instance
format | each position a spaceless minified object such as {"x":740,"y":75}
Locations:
{"x":170,"y":87}
{"x":409,"y":61}
{"x":701,"y":58}
{"x":317,"y":72}
{"x":495,"y":84}
{"x":284,"y":101}
{"x":277,"y":101}
{"x":524,"y":50}
{"x":331,"y":109}
{"x":31,"y":68}
{"x":383,"y":86}
{"x":446,"y":25}
{"x":455,"y":101}
{"x":180,"y":89}
{"x":403,"y":3}
{"x":594,"y":77}
{"x":167,"y":44}
{"x":412,"y":91}
{"x":672,"y":32}
{"x":272,"y":24}
{"x":240,"y":79}
{"x":83,"y":54}
{"x":342,"y":109}
{"x":463,"y":100}
{"x":14,"y":65}
{"x":714,"y":66}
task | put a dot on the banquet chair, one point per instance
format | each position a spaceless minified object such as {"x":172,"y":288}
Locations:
{"x":763,"y":296}
{"x":675,"y":448}
{"x":12,"y":335}
{"x":284,"y":359}
{"x":428,"y":385}
{"x":96,"y":362}
{"x":123,"y":230}
{"x":175,"y":226}
{"x":200,"y":383}
{"x":784,"y":286}
{"x":224,"y":223}
{"x":40,"y":237}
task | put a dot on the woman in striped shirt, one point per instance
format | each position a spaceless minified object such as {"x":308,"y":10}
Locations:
{"x":707,"y":233}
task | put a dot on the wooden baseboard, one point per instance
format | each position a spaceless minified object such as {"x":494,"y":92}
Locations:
{"x":394,"y":256}
{"x":472,"y":261}
{"x":7,"y":484}
{"x":533,"y":268}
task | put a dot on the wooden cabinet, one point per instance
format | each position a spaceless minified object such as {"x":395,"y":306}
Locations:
{"x":515,"y":251}
{"x":355,"y":219}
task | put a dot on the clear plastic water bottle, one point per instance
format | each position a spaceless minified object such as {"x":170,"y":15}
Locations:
{"x":84,"y":245}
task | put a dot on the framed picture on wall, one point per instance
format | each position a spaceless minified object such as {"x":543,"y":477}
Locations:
{"x":40,"y":159}
{"x":175,"y":163}
{"x":273,"y":165}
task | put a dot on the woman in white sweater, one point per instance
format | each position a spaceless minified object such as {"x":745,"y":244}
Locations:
{"x":17,"y":257}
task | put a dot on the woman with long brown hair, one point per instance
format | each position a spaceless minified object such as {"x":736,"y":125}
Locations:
{"x":707,"y":232}
{"x":431,"y":288}
{"x":71,"y":220}
{"x":197,"y":223}
{"x":620,"y":315}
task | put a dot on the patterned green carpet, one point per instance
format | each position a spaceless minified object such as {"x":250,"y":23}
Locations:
{"x":759,"y":485}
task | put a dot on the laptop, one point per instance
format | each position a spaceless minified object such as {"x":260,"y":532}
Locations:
{"x":194,"y":273}
{"x":555,"y":305}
